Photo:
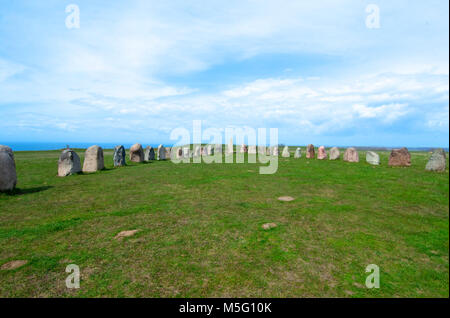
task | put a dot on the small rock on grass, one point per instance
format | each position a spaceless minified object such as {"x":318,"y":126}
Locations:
{"x":13,"y":264}
{"x":286,"y":198}
{"x":269,"y":226}
{"x":125,"y":234}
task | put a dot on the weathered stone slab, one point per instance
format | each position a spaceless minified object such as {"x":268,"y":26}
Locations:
{"x":162,"y":153}
{"x":68,"y":163}
{"x":334,"y":153}
{"x":310,"y":152}
{"x":149,"y":153}
{"x":136,"y":153}
{"x":400,"y":158}
{"x":437,"y":161}
{"x":119,"y":156}
{"x":93,"y":159}
{"x":286,"y":153}
{"x":252,"y":150}
{"x":351,"y":155}
{"x":298,"y":153}
{"x":372,"y":158}
{"x":8,"y":176}
{"x":244,"y":148}
{"x":321,"y":153}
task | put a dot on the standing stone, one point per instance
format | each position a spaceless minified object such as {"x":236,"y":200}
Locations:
{"x":204,"y":151}
{"x":178,"y":152}
{"x":321,"y":153}
{"x":218,"y":149}
{"x":119,"y":156}
{"x":149,"y":154}
{"x":262,"y":150}
{"x":437,"y":161}
{"x":93,"y":159}
{"x":230,"y":149}
{"x":168,"y":151}
{"x":298,"y":153}
{"x":252,"y":150}
{"x":275,"y":151}
{"x":286,"y":153}
{"x":161,"y":152}
{"x":400,"y":158}
{"x":68,"y":163}
{"x":373,"y":158}
{"x":209,"y":150}
{"x":351,"y":155}
{"x":8,"y":176}
{"x":334,"y":153}
{"x":186,"y":152}
{"x":310,"y":153}
{"x":244,"y":148}
{"x":197,"y":150}
{"x":136,"y":153}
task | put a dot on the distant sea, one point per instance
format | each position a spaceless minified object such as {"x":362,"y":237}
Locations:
{"x":36,"y":146}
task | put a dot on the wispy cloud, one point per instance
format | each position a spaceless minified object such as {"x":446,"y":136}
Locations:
{"x":135,"y":66}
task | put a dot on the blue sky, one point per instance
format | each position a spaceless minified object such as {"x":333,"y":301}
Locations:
{"x":135,"y":70}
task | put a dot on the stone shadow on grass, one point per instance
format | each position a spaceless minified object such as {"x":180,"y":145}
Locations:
{"x":20,"y":191}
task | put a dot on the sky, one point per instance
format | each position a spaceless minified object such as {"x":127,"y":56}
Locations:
{"x":135,"y":70}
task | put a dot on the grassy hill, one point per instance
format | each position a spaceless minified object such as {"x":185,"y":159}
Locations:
{"x":200,"y":229}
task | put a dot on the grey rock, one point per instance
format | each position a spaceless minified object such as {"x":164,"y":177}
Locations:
{"x":334,"y":153}
{"x":437,"y":161}
{"x":373,"y":158}
{"x":252,"y":150}
{"x":298,"y":153}
{"x":93,"y":159}
{"x":8,"y":176}
{"x":162,"y":153}
{"x":149,"y":154}
{"x":286,"y":153}
{"x":68,"y":163}
{"x":119,"y":156}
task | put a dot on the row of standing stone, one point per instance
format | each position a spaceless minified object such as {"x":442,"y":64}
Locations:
{"x":398,"y":157}
{"x":70,"y":163}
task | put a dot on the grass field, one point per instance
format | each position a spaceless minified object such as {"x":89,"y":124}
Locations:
{"x":200,"y":229}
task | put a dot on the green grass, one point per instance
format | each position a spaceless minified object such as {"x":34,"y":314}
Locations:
{"x":200,"y":229}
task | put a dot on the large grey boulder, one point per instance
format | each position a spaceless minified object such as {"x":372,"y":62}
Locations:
{"x":275,"y":151}
{"x":136,"y":153}
{"x":93,"y":159}
{"x":252,"y":150}
{"x":373,"y":158}
{"x":119,"y":156}
{"x":334,"y":153}
{"x":437,"y":161}
{"x":218,"y":149}
{"x":286,"y":153}
{"x":68,"y":163}
{"x":8,"y":176}
{"x":162,"y":153}
{"x":298,"y":153}
{"x":149,"y":154}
